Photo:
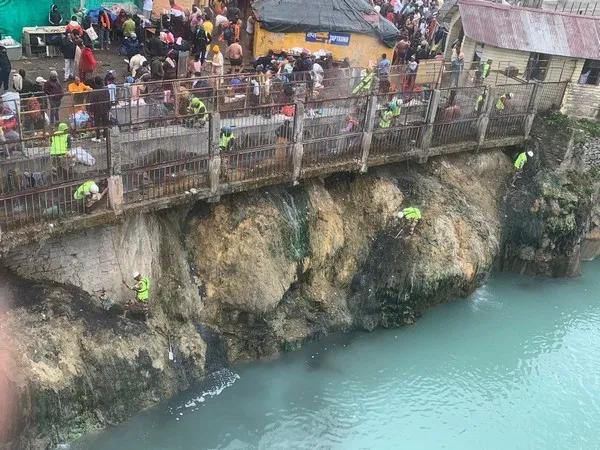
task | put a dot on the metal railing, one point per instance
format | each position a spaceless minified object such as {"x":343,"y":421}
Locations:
{"x":464,"y":130}
{"x":273,"y":162}
{"x":396,"y":141}
{"x":319,"y":153}
{"x":550,"y":95}
{"x":165,"y":179}
{"x":506,"y":125}
{"x":173,"y":155}
{"x":40,"y":205}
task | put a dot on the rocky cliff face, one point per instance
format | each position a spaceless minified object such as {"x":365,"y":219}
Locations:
{"x":553,"y":209}
{"x":263,"y":271}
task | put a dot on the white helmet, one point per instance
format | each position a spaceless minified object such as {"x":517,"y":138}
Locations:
{"x":530,"y":154}
{"x":94,"y":189}
{"x":400,"y":214}
{"x":136,"y":275}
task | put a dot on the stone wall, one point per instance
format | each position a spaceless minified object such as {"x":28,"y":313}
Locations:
{"x":589,"y":152}
{"x":581,"y":100}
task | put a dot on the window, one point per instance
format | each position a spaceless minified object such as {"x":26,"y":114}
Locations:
{"x":537,"y":66}
{"x":590,"y":74}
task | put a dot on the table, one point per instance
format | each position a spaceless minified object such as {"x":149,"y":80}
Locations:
{"x":33,"y":46}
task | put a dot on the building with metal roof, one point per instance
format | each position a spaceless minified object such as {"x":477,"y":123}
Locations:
{"x":531,"y":44}
{"x":531,"y":29}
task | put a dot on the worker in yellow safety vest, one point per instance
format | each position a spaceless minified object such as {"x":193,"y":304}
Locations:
{"x":85,"y":190}
{"x":197,"y":108}
{"x":226,"y":138}
{"x":412,"y":215}
{"x":364,"y":86}
{"x":142,"y":292}
{"x":502,"y":102}
{"x":522,"y":159}
{"x":385,"y":119}
{"x":60,"y":142}
{"x":480,"y":102}
{"x":485,"y":69}
{"x":520,"y":162}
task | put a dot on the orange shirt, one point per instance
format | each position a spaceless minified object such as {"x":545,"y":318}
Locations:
{"x":75,"y":88}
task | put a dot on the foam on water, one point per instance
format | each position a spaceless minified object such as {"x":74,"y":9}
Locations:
{"x":218,"y":382}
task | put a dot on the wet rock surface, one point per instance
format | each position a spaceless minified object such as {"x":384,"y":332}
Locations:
{"x":243,"y":279}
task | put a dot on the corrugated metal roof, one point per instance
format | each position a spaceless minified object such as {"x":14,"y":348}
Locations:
{"x":531,"y":30}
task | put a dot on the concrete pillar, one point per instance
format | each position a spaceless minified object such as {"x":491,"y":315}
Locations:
{"x":484,"y":116}
{"x":115,"y":180}
{"x":434,"y":102}
{"x":214,"y":165}
{"x":298,"y":151}
{"x":115,"y":193}
{"x":533,"y":107}
{"x":370,"y":120}
{"x":114,"y":150}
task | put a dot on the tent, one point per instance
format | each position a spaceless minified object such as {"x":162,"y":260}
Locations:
{"x":341,"y":16}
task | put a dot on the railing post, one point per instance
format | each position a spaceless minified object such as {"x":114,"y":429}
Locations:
{"x":298,"y":151}
{"x":370,"y":119}
{"x":533,"y":107}
{"x":484,"y":117}
{"x":115,"y":180}
{"x":434,"y":102}
{"x":214,"y":165}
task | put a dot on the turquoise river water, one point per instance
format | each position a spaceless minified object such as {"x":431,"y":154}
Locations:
{"x":514,"y":366}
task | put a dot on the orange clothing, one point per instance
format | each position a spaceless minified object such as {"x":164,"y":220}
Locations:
{"x":105,"y":21}
{"x":236,"y":31}
{"x":75,"y":88}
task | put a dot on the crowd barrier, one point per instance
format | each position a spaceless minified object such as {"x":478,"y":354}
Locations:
{"x":141,"y":161}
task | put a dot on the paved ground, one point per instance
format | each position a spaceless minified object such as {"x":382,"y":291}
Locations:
{"x":107,"y":60}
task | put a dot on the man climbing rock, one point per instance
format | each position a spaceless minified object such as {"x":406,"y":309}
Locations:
{"x":520,"y":162}
{"x":142,"y":296}
{"x":412,"y":215}
{"x":522,"y":159}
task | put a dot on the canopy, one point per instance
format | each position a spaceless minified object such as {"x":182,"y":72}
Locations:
{"x":349,"y":16}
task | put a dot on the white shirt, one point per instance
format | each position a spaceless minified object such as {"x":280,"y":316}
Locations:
{"x":220,"y":20}
{"x":255,"y":87}
{"x":148,"y":5}
{"x":250,"y":25}
{"x":135,"y":62}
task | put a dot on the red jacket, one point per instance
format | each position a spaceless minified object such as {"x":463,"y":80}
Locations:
{"x":88,"y":60}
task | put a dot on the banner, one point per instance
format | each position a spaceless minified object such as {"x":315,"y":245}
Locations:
{"x":329,"y":38}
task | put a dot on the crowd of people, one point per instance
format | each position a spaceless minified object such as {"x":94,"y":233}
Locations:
{"x":191,"y":44}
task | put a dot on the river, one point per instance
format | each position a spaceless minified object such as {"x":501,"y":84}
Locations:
{"x":514,"y":366}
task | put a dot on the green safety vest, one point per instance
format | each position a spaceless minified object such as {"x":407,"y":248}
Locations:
{"x":83,"y":190}
{"x":143,"y":293}
{"x":225,"y":141}
{"x":412,"y":213}
{"x":60,"y":140}
{"x":364,"y":85}
{"x":520,"y":161}
{"x":478,"y":103}
{"x":199,"y":109}
{"x":500,"y":103}
{"x":485,"y":71}
{"x":386,"y":119}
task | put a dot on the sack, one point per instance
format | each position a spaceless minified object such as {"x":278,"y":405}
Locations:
{"x":91,"y":33}
{"x":82,"y":156}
